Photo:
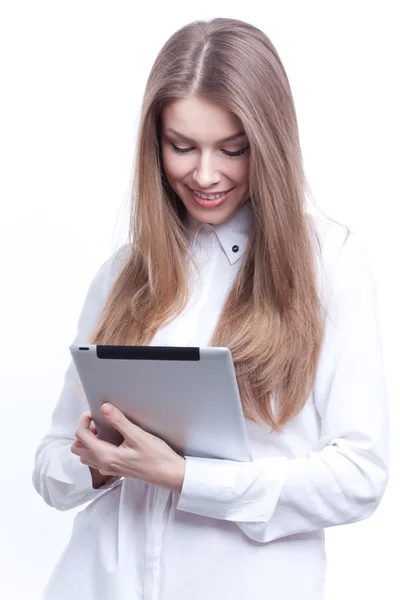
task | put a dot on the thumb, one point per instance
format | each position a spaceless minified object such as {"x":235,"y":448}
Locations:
{"x":118,"y":420}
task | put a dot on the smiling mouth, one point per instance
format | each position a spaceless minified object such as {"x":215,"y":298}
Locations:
{"x":213,"y":202}
{"x":210,"y":193}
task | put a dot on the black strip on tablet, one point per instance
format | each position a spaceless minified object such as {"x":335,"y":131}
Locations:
{"x":148,"y":352}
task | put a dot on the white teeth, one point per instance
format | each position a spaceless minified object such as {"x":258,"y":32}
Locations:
{"x":210,"y":197}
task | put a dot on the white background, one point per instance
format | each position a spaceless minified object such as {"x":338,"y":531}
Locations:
{"x":72,"y":79}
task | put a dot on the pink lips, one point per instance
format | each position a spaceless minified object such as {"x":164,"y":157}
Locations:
{"x":211,"y":193}
{"x":210,"y":203}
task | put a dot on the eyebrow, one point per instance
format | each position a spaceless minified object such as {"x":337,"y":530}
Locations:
{"x":228,"y":139}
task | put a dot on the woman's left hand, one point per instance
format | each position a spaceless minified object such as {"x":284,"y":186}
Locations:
{"x":141,"y":454}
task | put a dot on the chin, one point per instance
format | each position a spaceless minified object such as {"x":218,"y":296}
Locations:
{"x":212,"y":215}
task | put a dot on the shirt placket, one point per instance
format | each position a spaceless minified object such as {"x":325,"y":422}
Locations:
{"x":208,"y":257}
{"x":159,"y":515}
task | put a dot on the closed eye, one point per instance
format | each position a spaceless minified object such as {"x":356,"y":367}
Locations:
{"x":226,"y":152}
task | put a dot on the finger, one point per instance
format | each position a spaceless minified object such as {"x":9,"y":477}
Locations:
{"x":77,"y":447}
{"x":102,"y":463}
{"x":86,"y":456}
{"x":84,"y":420}
{"x":118,"y":420}
{"x":99,"y":449}
{"x":88,"y":439}
{"x":83,"y":429}
{"x":78,"y":444}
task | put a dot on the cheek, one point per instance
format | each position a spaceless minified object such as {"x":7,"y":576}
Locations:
{"x":175,"y":168}
{"x":240,"y":171}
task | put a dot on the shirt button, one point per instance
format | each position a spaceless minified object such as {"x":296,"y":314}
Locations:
{"x":235,"y":248}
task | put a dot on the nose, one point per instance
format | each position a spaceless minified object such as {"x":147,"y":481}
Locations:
{"x":205,"y":174}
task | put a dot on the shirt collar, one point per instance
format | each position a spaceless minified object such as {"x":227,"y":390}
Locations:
{"x":233,"y":233}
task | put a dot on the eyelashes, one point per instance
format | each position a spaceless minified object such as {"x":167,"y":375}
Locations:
{"x":226,"y":152}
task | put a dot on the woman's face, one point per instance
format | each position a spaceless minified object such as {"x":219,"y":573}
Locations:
{"x":200,"y":128}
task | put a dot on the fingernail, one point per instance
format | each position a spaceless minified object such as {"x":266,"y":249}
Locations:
{"x":106,"y":408}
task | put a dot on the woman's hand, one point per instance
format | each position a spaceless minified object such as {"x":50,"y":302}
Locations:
{"x":141,"y":454}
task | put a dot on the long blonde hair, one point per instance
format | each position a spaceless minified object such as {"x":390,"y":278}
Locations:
{"x":272,"y":320}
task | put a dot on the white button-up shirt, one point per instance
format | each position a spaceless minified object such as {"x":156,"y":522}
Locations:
{"x":237,"y":531}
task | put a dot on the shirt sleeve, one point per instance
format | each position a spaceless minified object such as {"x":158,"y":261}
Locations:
{"x":58,"y":474}
{"x":344,"y":478}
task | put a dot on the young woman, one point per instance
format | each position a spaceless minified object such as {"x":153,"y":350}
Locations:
{"x":223,"y":252}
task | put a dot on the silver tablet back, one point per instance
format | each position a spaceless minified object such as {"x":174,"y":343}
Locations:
{"x":186,"y":396}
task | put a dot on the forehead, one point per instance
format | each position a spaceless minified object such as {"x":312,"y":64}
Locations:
{"x":200,"y":119}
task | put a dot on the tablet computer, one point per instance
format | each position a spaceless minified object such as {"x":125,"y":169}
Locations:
{"x":187,"y":396}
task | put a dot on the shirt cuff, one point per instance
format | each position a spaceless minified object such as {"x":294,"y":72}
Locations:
{"x":68,"y":482}
{"x":232,"y":490}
